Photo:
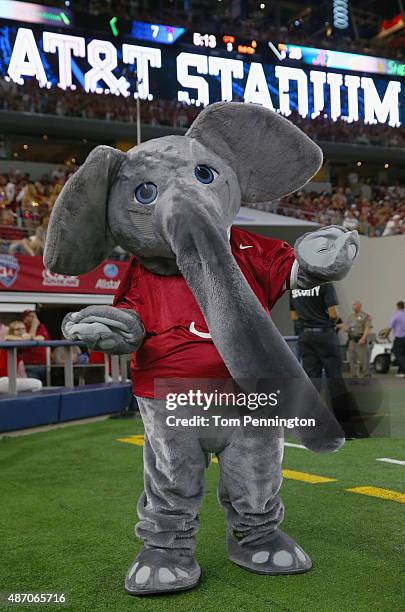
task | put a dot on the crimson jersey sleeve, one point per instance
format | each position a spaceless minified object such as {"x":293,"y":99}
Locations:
{"x":278,"y":259}
{"x":266,"y":263}
{"x":279,"y":263}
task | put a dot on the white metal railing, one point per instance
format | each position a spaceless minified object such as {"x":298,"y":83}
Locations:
{"x":119,"y":363}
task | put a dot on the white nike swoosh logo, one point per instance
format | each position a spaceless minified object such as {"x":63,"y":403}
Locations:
{"x":198,"y":333}
{"x":246,"y":246}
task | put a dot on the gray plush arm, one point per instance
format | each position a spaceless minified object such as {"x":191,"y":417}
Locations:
{"x":325,"y":255}
{"x":104,"y":328}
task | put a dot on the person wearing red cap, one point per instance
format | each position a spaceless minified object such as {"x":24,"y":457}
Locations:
{"x":34,"y":358}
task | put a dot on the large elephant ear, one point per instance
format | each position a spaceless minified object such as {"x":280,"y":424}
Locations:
{"x":270,"y":156}
{"x":78,"y":237}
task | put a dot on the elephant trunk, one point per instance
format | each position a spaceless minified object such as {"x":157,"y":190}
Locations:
{"x":249,"y":343}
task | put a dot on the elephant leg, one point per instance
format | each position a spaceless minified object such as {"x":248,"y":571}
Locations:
{"x":249,"y":484}
{"x":174,"y":466}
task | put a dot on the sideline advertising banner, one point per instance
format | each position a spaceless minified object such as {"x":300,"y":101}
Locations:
{"x":26,"y":273}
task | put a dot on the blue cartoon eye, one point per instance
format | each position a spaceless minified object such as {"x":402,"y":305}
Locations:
{"x":146,"y":193}
{"x":204,"y":174}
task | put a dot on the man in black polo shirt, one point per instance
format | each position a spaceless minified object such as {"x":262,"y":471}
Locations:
{"x":315,"y":311}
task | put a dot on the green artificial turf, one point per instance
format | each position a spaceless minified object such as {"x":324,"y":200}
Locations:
{"x":68,"y":499}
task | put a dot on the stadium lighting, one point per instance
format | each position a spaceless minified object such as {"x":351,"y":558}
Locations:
{"x":386,"y":166}
{"x":340,"y":14}
{"x":262,"y":6}
{"x":25,"y":147}
{"x":359,"y":163}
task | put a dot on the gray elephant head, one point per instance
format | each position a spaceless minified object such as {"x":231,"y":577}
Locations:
{"x":233,"y":153}
{"x":171,"y":202}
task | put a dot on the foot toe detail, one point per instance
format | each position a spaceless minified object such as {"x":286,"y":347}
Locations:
{"x":261,"y":557}
{"x":142,"y":575}
{"x":275,"y":554}
{"x":166,"y":576}
{"x":161,"y":571}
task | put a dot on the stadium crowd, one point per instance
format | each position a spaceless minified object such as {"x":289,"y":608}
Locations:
{"x":25,"y":206}
{"x":29,"y":98}
{"x":372,"y":211}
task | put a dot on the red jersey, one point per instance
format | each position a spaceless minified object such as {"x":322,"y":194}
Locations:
{"x":3,"y":363}
{"x":32,"y":355}
{"x":10,"y":232}
{"x":176,"y":343}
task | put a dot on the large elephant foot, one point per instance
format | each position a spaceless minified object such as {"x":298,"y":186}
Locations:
{"x":158,"y":570}
{"x":278,"y":554}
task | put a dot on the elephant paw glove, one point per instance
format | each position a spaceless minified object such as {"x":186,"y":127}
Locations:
{"x":105,"y":328}
{"x":325,"y":255}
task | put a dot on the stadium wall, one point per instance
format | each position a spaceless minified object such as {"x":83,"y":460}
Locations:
{"x":378,"y":279}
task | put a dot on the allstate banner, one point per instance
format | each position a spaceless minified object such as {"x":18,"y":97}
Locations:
{"x":26,"y":273}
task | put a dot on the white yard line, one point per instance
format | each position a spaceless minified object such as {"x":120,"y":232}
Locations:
{"x":388,"y":460}
{"x":295,"y":445}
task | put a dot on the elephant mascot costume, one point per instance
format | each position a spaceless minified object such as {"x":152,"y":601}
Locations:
{"x":195,"y":305}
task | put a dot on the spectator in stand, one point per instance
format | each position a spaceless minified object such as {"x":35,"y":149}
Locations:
{"x":339,"y":199}
{"x":16,"y":333}
{"x":9,"y":233}
{"x":3,"y":331}
{"x":350,"y":221}
{"x":40,"y":236}
{"x":14,"y":240}
{"x":394,"y":226}
{"x":58,"y":354}
{"x":34,"y":357}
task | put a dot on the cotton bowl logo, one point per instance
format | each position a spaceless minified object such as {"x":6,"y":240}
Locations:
{"x":53,"y":279}
{"x":9,"y":269}
{"x":110,"y":270}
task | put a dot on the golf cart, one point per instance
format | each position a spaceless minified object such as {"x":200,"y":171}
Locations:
{"x":381,"y":356}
